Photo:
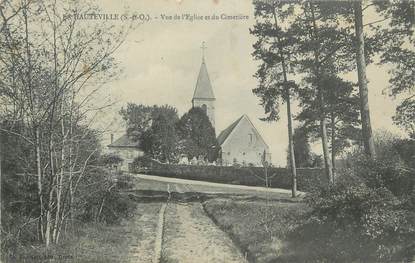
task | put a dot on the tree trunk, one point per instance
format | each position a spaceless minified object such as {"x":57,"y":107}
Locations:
{"x":324,"y":142}
{"x":59,"y":186}
{"x":59,"y":180}
{"x":48,"y":225}
{"x":1,"y":201}
{"x":323,"y":126}
{"x":291,"y":147}
{"x":289,"y":117}
{"x":368,"y":143}
{"x":333,"y":145}
{"x":266,"y":173}
{"x":51,"y":190}
{"x":70,"y":144}
{"x":39,"y":183}
{"x":35,"y":124}
{"x":100,"y":209}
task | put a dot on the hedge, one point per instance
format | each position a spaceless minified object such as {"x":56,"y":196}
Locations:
{"x":307,"y":178}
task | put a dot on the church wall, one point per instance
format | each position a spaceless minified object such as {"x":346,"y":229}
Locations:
{"x":244,"y":146}
{"x":210,"y":106}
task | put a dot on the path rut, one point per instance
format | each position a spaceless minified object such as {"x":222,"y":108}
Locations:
{"x":191,"y":236}
{"x":143,"y":233}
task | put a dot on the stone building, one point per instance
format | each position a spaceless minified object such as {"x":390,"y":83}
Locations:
{"x":127,"y":149}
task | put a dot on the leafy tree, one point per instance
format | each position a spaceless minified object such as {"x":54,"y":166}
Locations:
{"x":405,"y":116}
{"x":361,"y":73}
{"x":138,"y":118}
{"x":160,"y":140}
{"x":304,"y":157}
{"x":154,"y":128}
{"x":391,"y":36}
{"x":302,"y":149}
{"x":323,"y":52}
{"x":197,"y":135}
{"x":396,"y":40}
{"x":273,"y":48}
{"x":49,"y":65}
{"x":342,"y":114}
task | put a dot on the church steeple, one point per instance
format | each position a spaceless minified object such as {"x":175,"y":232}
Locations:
{"x":203,"y":95}
{"x":203,"y":88}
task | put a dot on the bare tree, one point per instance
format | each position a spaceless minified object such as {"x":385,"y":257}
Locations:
{"x":53,"y":68}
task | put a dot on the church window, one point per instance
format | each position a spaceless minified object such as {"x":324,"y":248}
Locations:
{"x":252,"y":137}
{"x":204,"y":108}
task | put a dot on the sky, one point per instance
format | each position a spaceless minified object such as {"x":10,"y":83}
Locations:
{"x":161,"y":60}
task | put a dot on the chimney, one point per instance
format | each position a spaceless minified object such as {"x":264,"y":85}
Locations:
{"x":112,"y":138}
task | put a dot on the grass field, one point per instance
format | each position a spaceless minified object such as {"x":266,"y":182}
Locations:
{"x":278,"y":231}
{"x":259,"y":227}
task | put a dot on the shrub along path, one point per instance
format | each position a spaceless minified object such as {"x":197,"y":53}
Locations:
{"x":190,"y":236}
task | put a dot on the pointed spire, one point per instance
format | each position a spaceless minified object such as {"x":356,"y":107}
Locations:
{"x":203,"y":88}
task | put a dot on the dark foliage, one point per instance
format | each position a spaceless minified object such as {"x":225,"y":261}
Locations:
{"x":368,"y":215}
{"x":308,"y":178}
{"x":155,"y":129}
{"x":304,"y":157}
{"x":106,"y":203}
{"x":20,"y":203}
{"x":405,"y":116}
{"x":110,"y":159}
{"x":197,"y":135}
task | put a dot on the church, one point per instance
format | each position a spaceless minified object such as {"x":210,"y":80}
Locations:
{"x":240,"y":142}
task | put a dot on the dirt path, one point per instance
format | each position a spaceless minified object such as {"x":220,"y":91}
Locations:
{"x":190,"y":236}
{"x":143,"y":233}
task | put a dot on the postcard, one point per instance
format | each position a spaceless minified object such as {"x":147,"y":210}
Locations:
{"x":207,"y":131}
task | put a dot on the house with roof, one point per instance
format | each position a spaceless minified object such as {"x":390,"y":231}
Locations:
{"x":127,"y":149}
{"x":240,"y":142}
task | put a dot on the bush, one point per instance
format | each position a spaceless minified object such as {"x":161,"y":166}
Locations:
{"x":369,"y":213}
{"x":393,"y":168}
{"x":142,"y":162}
{"x":308,"y":178}
{"x":124,"y":181}
{"x":110,"y":159}
{"x":106,"y":203}
{"x":362,"y":221}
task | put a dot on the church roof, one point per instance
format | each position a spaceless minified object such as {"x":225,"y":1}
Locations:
{"x":125,"y":141}
{"x":224,"y":135}
{"x":203,"y":88}
{"x":226,"y":132}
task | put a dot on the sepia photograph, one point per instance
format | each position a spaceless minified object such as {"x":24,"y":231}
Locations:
{"x":215,"y":131}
